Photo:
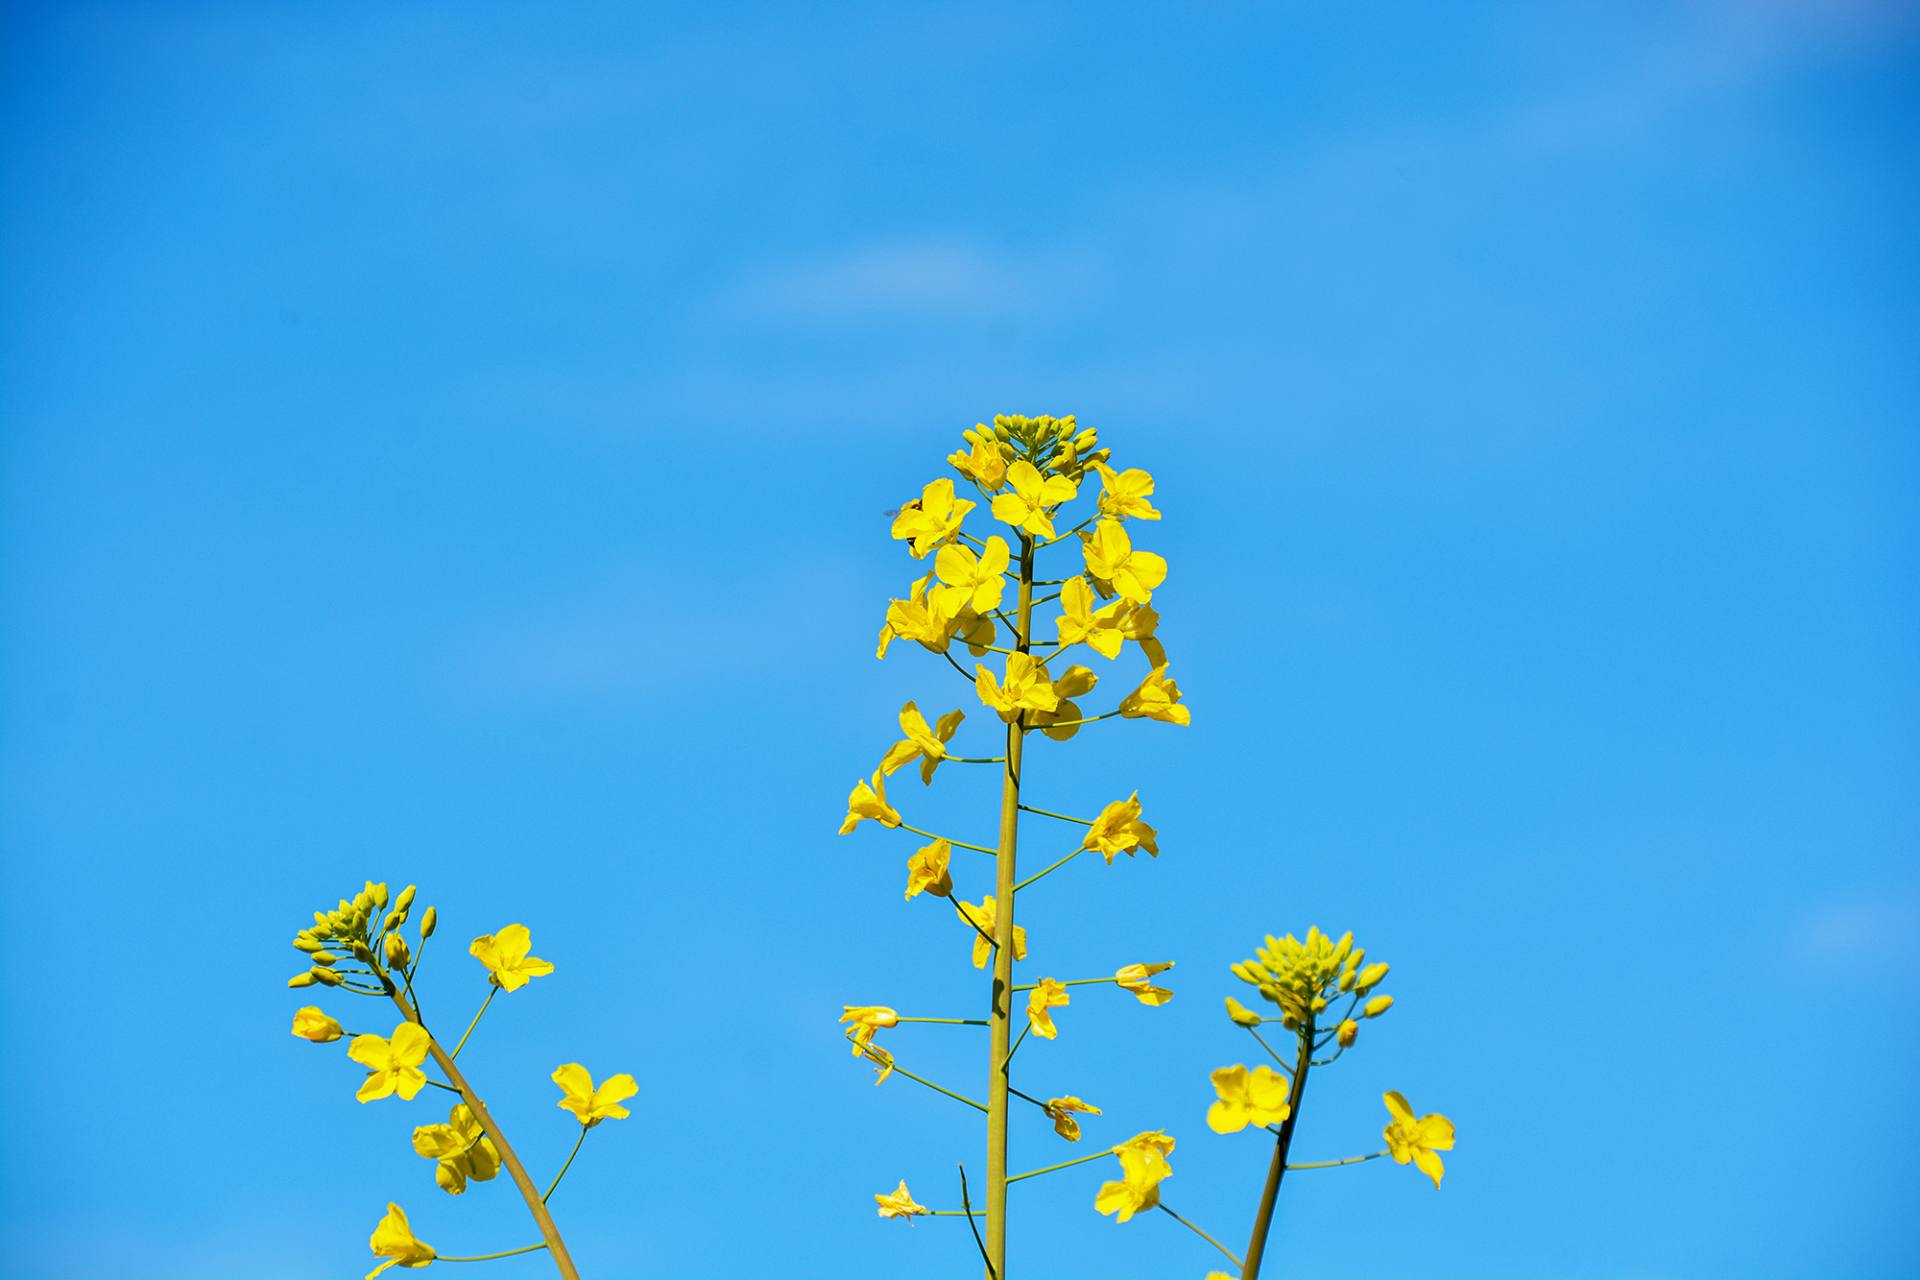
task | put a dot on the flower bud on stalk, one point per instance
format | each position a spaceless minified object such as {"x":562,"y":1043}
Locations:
{"x":397,"y":955}
{"x":427,"y":922}
{"x":325,"y":977}
{"x":1377,"y":1006}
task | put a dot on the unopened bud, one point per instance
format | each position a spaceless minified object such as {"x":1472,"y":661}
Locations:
{"x":362,"y":903}
{"x":1377,"y":1006}
{"x":1319,"y":1004}
{"x":301,"y":980}
{"x":393,"y":921}
{"x":361,"y":951}
{"x":397,"y":951}
{"x":325,"y":959}
{"x":1347,"y":979}
{"x":427,"y":922}
{"x":404,"y":902}
{"x":378,"y":892}
{"x":1346,"y":1033}
{"x":325,"y":977}
{"x":1371,"y":976}
{"x":1241,"y":1015}
{"x":306,"y":944}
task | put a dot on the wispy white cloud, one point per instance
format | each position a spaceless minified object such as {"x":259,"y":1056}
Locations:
{"x":925,"y":278}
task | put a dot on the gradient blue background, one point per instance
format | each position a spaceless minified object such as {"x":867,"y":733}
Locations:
{"x":449,"y":443}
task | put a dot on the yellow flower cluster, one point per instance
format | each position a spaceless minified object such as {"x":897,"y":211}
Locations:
{"x":1303,"y":978}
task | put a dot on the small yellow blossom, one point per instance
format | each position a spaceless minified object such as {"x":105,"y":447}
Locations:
{"x":1143,"y":1166}
{"x":881,"y":1059}
{"x":925,"y":743}
{"x":1062,"y":722}
{"x":1079,"y":623}
{"x":392,"y":1062}
{"x":900,"y":1204}
{"x":982,"y":464}
{"x":1118,"y":829}
{"x":1139,"y":625}
{"x":927,"y":870}
{"x":868,"y":800}
{"x":968,"y":580}
{"x":1060,"y":1111}
{"x":1125,"y":493}
{"x":1241,"y":1015}
{"x":505,"y":956}
{"x":1046,"y":996}
{"x":1247,"y":1097}
{"x":462,"y":1148}
{"x":1134,"y":978}
{"x":1111,"y":559}
{"x":983,"y":917}
{"x":589,"y":1104}
{"x":931,"y":519}
{"x":1414,"y":1140}
{"x":865,"y":1019}
{"x":394,"y":1240}
{"x":1157,"y":698}
{"x":915,"y":618}
{"x":1346,"y":1033}
{"x":1026,"y":507}
{"x":1026,"y":688}
{"x":311,"y":1024}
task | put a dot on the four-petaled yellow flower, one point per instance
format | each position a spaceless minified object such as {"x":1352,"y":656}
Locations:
{"x":1143,"y":1166}
{"x":982,"y":917}
{"x":505,"y":955}
{"x":1026,"y":687}
{"x":311,"y":1024}
{"x":900,"y":1204}
{"x":969,"y":581}
{"x":1247,"y":1097}
{"x":1111,"y":560}
{"x":1125,"y":493}
{"x":927,"y":870}
{"x":1414,"y":1140}
{"x":589,"y":1104}
{"x":865,"y":1019}
{"x":462,"y":1148}
{"x":1026,"y":507}
{"x":931,"y":519}
{"x":394,"y":1240}
{"x":1046,"y":996}
{"x":1157,"y":698}
{"x":1060,"y":1111}
{"x":1135,"y":978}
{"x":1079,"y":622}
{"x":1118,"y":829}
{"x":869,"y":801}
{"x":1063,"y":721}
{"x":392,"y":1062}
{"x":1139,"y":626}
{"x":982,"y":464}
{"x":923,"y":743}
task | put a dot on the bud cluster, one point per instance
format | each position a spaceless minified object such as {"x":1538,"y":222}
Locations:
{"x":1057,"y":446}
{"x":348,"y":930}
{"x":1303,"y":978}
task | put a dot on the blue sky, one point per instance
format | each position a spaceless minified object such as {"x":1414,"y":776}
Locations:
{"x":449,"y":444}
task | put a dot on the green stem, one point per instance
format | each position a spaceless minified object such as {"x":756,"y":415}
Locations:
{"x":449,"y":1088}
{"x":958,"y":844}
{"x":1048,"y":813}
{"x":1203,"y":1235}
{"x":1284,"y":1064}
{"x":1055,"y":867}
{"x":476,"y":1022}
{"x":1071,"y":982}
{"x":957,"y":1097}
{"x":1064,"y":1164}
{"x":1062,"y":724}
{"x":1017,"y":1043}
{"x":973,"y":759}
{"x":952,"y":1022}
{"x":568,"y":1165}
{"x":1334,"y":1164}
{"x":489,"y":1257}
{"x":1263,"y":1216}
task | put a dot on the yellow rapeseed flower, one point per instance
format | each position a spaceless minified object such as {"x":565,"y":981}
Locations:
{"x":505,"y":956}
{"x":1417,"y":1141}
{"x":869,"y":801}
{"x":925,"y":743}
{"x":394,"y":1240}
{"x":865,"y":1019}
{"x":1143,"y":1167}
{"x":970,"y":581}
{"x":1111,"y":560}
{"x":983,"y":916}
{"x":1247,"y":1097}
{"x":1101,"y":630}
{"x":1026,"y":687}
{"x":1026,"y":507}
{"x":1139,"y":624}
{"x":1134,"y":978}
{"x":899,"y":1204}
{"x":930,"y":519}
{"x":1125,"y":493}
{"x":591,"y":1105}
{"x":1157,"y":698}
{"x":1046,"y":996}
{"x":1061,"y":722}
{"x":392,"y":1062}
{"x":982,"y":464}
{"x":1118,"y":829}
{"x":311,"y":1024}
{"x":461,"y":1147}
{"x":1060,"y":1111}
{"x":927,"y":870}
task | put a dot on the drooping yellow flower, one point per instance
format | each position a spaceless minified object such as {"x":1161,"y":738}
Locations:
{"x":394,"y":1240}
{"x":1135,"y":978}
{"x":392,"y":1062}
{"x":1080,"y":623}
{"x":969,"y":581}
{"x":1417,"y":1141}
{"x":1247,"y":1097}
{"x":931,"y":519}
{"x":1060,"y":1111}
{"x":1026,"y":687}
{"x":868,"y":801}
{"x":1139,"y":625}
{"x":1112,"y":560}
{"x":591,"y":1105}
{"x":1063,"y":721}
{"x":1143,"y":1166}
{"x":505,"y":956}
{"x":900,"y":1204}
{"x":1026,"y":507}
{"x":1157,"y":698}
{"x":923,"y":743}
{"x":1118,"y":829}
{"x":1046,"y":996}
{"x":882,"y":1061}
{"x":927,"y":870}
{"x":983,"y":916}
{"x":1125,"y":493}
{"x":915,"y":618}
{"x":311,"y":1024}
{"x":865,"y":1019}
{"x":462,"y":1148}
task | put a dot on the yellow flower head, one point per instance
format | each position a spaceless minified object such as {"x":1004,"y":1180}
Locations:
{"x":1414,"y":1140}
{"x":1247,"y":1097}
{"x":461,"y":1147}
{"x":969,"y":581}
{"x":1026,"y":687}
{"x":1027,"y":506}
{"x":1143,"y":1167}
{"x":1101,"y":630}
{"x":982,"y":916}
{"x":311,"y":1024}
{"x":1301,"y":977}
{"x":869,"y":801}
{"x":589,"y":1104}
{"x":1125,"y":493}
{"x":505,"y":956}
{"x":1046,"y":996}
{"x":900,"y":1204}
{"x":923,"y":743}
{"x":1157,"y":698}
{"x":393,"y":1062}
{"x":1112,"y":561}
{"x":1134,"y":978}
{"x":1118,"y":829}
{"x":865,"y":1019}
{"x":927,"y":870}
{"x":394,"y":1240}
{"x":931,"y":519}
{"x":1060,"y":1111}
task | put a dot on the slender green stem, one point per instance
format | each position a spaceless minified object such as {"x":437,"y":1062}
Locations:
{"x":968,"y":917}
{"x":1047,"y":599}
{"x":952,"y":1022}
{"x":1016,"y":1044}
{"x":952,"y":1213}
{"x":973,"y":759}
{"x":489,"y":1257}
{"x":1277,"y":1169}
{"x":952,"y":662}
{"x":449,"y":1088}
{"x":1071,"y":982}
{"x":1203,"y":1235}
{"x":1055,"y":867}
{"x":1334,"y":1164}
{"x":967,"y":1205}
{"x":1064,"y":817}
{"x":568,"y":1165}
{"x":1064,"y":1164}
{"x":1284,"y":1064}
{"x":1069,"y":533}
{"x":957,"y":1097}
{"x":476,"y":1022}
{"x":1062,"y":724}
{"x":958,"y":844}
